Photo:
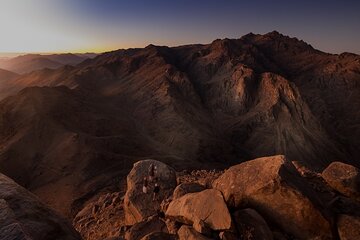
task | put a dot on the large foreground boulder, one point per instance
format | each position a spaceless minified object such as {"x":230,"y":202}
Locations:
{"x":207,"y":206}
{"x":23,"y":216}
{"x":139,"y":205}
{"x":344,"y":178}
{"x":273,"y":187}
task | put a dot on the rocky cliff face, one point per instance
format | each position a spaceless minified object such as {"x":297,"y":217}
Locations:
{"x":23,"y":216}
{"x":189,"y":106}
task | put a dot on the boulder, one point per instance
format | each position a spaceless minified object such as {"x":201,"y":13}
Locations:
{"x":251,"y":225}
{"x":207,"y":206}
{"x":138,"y":205}
{"x":185,"y":188}
{"x":188,"y":233}
{"x":348,"y":227}
{"x":23,"y":216}
{"x":344,"y":178}
{"x":172,"y":226}
{"x":159,"y":236}
{"x":273,"y":187}
{"x":201,"y":227}
{"x":141,"y":229}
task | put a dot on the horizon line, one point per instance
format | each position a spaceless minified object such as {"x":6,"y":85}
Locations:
{"x":104,"y":50}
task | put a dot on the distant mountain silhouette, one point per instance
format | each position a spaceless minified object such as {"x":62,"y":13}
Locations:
{"x":195,"y":105}
{"x":32,"y":62}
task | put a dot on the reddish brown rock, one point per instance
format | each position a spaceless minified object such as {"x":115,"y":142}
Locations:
{"x":139,"y":205}
{"x":99,"y":220}
{"x":172,"y":226}
{"x":201,"y":227}
{"x":159,"y":236}
{"x":228,"y":235}
{"x":141,"y":229}
{"x":207,"y":206}
{"x":348,"y":227}
{"x":185,"y":188}
{"x":273,"y":187}
{"x":344,"y":178}
{"x":188,"y":233}
{"x":251,"y":225}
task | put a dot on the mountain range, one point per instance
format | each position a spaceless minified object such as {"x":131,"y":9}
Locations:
{"x":32,"y":62}
{"x":69,"y":132}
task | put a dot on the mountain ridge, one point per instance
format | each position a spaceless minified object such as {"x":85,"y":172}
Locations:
{"x":214,"y":104}
{"x":32,"y":62}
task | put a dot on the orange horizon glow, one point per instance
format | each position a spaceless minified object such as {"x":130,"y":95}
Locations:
{"x":81,"y":51}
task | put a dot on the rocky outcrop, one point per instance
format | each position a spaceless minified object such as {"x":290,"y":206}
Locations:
{"x":23,"y":216}
{"x":102,"y":217}
{"x":141,"y":229}
{"x":251,"y":225}
{"x":208,"y":206}
{"x":159,"y":236}
{"x":344,"y":178}
{"x":185,"y":188}
{"x":188,"y":233}
{"x":139,"y":205}
{"x":348,"y":227}
{"x":266,"y":198}
{"x":273,"y":187}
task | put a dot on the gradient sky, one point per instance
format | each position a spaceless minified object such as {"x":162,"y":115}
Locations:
{"x":100,"y":25}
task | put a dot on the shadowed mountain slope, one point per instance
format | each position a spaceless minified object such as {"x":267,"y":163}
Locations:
{"x":7,"y":75}
{"x":6,"y":78}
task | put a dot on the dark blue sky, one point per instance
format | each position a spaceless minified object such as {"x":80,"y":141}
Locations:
{"x":331,"y":26}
